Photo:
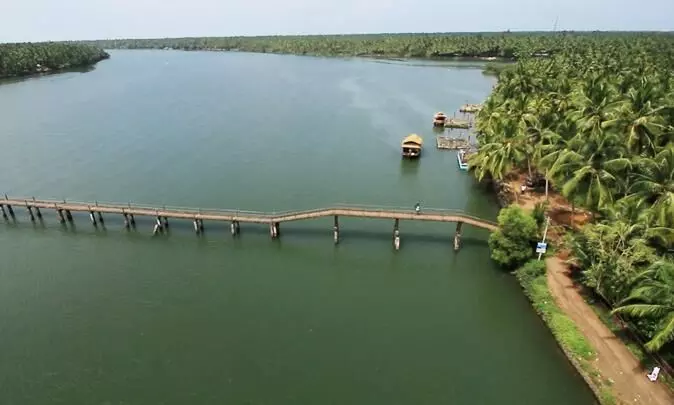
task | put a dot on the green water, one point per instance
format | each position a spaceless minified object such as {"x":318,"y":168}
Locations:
{"x":109,"y":317}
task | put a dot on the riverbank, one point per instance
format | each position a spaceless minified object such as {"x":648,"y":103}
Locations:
{"x":29,"y":59}
{"x":532,"y":278}
{"x":612,"y":369}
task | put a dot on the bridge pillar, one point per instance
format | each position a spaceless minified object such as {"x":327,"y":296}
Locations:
{"x":166,"y":224}
{"x":100,"y":218}
{"x":159,"y":225}
{"x":59,"y":213}
{"x":126,"y":221}
{"x":156,"y":229}
{"x":132,"y":221}
{"x":201,"y":225}
{"x":37,"y":212}
{"x":335,"y":230}
{"x":30,"y":213}
{"x":69,"y":216}
{"x":235,"y":228}
{"x":93,"y":218}
{"x":2,"y":209}
{"x":457,"y":236}
{"x":197,"y":228}
{"x":11,"y":211}
{"x":274,"y":230}
{"x":396,"y":234}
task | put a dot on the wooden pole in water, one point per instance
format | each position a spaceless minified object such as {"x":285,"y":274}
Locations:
{"x":396,"y":234}
{"x":11,"y":211}
{"x":335,"y":230}
{"x":30,"y":213}
{"x":457,"y":236}
{"x":126,"y":221}
{"x":100,"y":218}
{"x":93,"y":218}
{"x":37,"y":212}
{"x":59,"y":213}
{"x":69,"y":216}
{"x":2,"y":209}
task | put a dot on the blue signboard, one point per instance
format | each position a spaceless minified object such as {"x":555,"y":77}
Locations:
{"x":541,"y":247}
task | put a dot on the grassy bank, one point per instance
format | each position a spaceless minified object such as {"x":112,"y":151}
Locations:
{"x":532,"y":278}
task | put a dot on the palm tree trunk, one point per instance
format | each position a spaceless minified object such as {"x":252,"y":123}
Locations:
{"x":529,"y":168}
{"x":573,"y":213}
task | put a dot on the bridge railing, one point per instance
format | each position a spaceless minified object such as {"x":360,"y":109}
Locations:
{"x":265,"y":214}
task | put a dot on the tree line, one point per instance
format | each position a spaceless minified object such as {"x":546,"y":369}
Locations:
{"x":24,"y":59}
{"x":497,"y":45}
{"x":597,"y":124}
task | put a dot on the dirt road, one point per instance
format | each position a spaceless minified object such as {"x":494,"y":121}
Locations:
{"x":614,"y":360}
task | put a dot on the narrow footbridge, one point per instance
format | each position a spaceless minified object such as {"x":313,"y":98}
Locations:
{"x":129,"y":211}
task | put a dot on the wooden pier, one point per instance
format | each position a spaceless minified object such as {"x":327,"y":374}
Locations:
{"x":457,"y":123}
{"x":64,"y":209}
{"x":451,"y":143}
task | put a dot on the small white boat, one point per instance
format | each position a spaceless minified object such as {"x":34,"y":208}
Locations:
{"x":462,"y":159}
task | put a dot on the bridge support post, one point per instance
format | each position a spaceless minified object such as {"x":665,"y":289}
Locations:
{"x":201,"y":225}
{"x":396,"y":234}
{"x":335,"y":230}
{"x":37,"y":212}
{"x":274,"y":230}
{"x":166,"y":224}
{"x":69,"y":216}
{"x":59,"y":213}
{"x":235,"y":228}
{"x":159,"y":226}
{"x":196,"y":226}
{"x":100,"y":218}
{"x":457,"y":236}
{"x":132,"y":221}
{"x":11,"y":211}
{"x":126,"y":221}
{"x":30,"y":213}
{"x":2,"y":209}
{"x":156,"y":229}
{"x":93,"y":218}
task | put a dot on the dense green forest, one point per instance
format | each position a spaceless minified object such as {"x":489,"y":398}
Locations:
{"x":501,"y":45}
{"x":31,"y":58}
{"x":597,"y":123}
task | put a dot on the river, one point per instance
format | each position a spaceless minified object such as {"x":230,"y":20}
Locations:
{"x":104,"y":316}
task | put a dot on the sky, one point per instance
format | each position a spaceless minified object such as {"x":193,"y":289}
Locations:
{"x":43,"y":20}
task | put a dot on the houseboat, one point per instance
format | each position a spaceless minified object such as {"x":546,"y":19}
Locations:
{"x":411,"y":146}
{"x":462,"y":158}
{"x":439,"y":119}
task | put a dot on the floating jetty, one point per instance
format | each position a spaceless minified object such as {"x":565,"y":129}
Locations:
{"x":470,"y":108}
{"x":457,"y":123}
{"x":451,"y":143}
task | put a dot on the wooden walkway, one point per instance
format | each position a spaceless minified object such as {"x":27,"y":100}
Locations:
{"x":95,"y":210}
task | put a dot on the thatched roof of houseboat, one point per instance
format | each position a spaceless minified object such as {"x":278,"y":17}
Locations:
{"x":413,"y":139}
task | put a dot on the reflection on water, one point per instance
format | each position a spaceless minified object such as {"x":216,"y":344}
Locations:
{"x":409,"y":166}
{"x":80,"y":69}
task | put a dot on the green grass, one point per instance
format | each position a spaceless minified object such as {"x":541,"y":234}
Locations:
{"x":532,"y":277}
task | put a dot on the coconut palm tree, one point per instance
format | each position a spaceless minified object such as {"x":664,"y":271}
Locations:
{"x":654,"y":298}
{"x":653,"y":186}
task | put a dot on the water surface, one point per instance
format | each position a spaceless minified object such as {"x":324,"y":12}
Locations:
{"x":109,"y":317}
